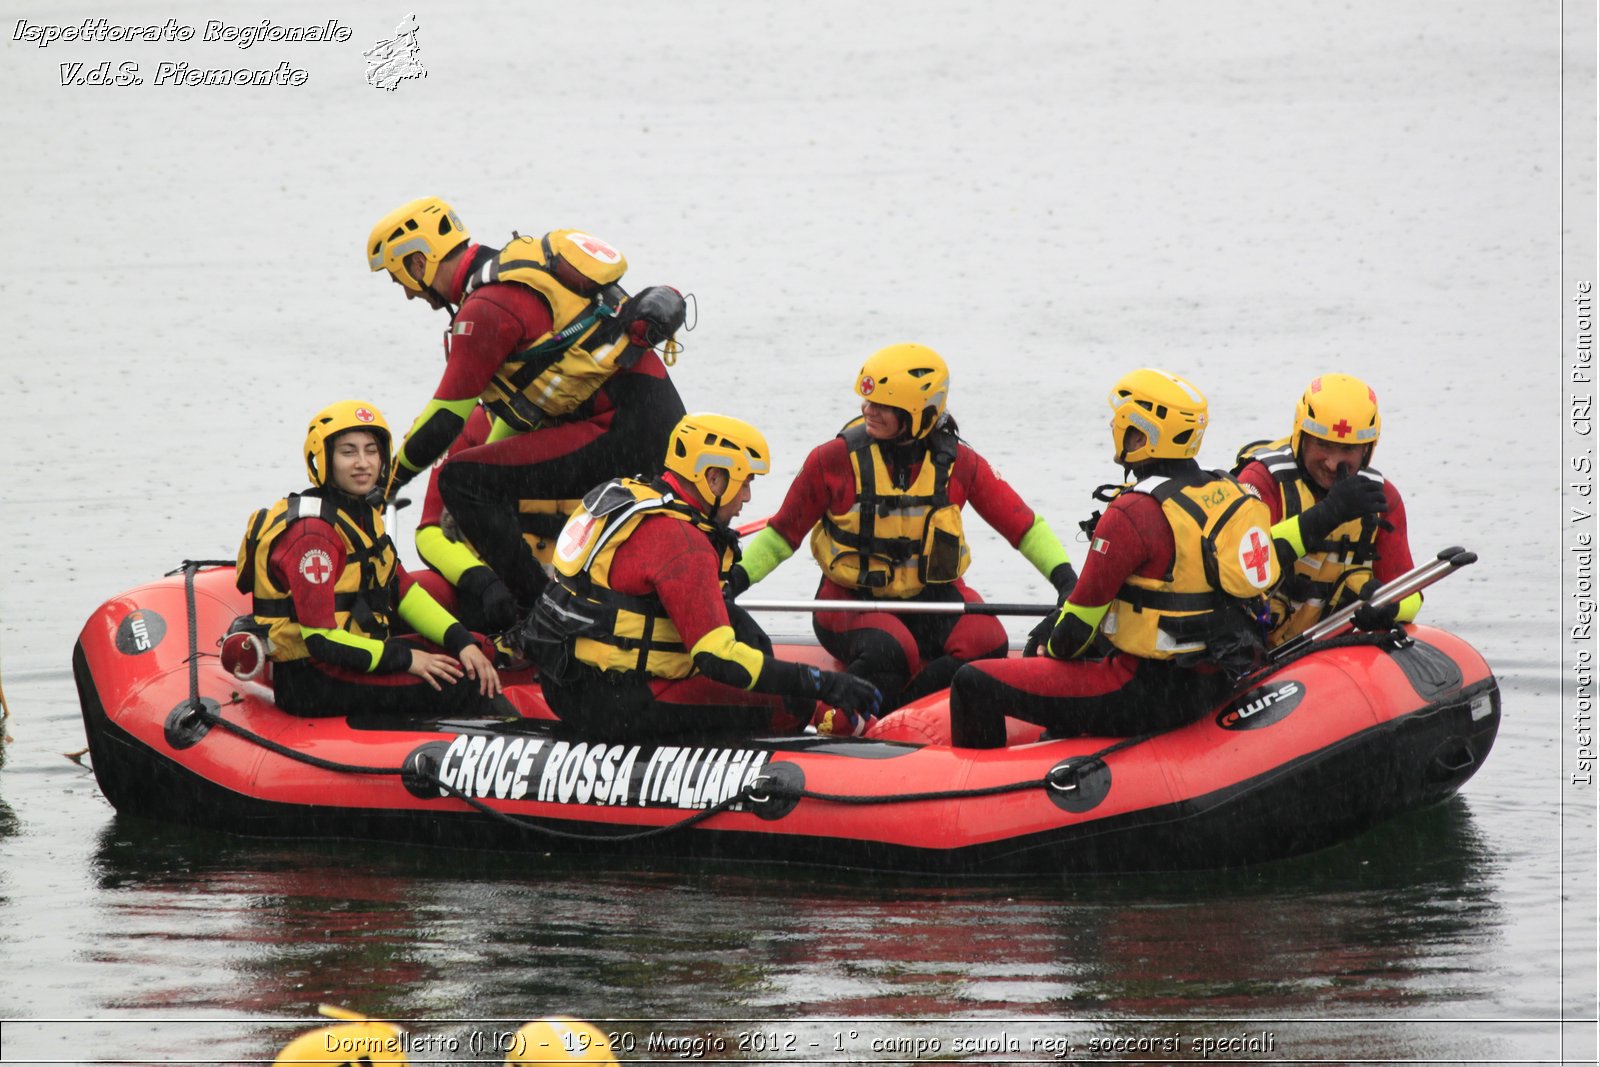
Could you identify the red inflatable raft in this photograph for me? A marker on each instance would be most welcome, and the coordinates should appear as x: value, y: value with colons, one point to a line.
x: 1309, y: 755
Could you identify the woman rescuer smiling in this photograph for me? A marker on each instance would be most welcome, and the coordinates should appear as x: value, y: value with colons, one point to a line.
x: 328, y: 592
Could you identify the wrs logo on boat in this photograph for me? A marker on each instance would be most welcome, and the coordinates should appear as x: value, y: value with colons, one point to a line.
x: 140, y: 631
x: 1262, y: 706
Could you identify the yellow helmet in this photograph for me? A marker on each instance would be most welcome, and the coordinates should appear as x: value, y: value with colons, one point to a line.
x: 1340, y: 409
x: 910, y: 377
x: 358, y: 1040
x: 1169, y: 411
x: 703, y: 441
x: 429, y: 226
x: 334, y: 420
x: 559, y: 1039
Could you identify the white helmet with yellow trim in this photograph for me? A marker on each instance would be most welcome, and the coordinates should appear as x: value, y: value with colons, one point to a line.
x: 429, y: 226
x: 1168, y: 410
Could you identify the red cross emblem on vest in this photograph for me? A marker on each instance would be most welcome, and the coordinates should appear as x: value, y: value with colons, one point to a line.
x: 1255, y: 553
x: 1342, y: 428
x: 316, y: 566
x: 594, y: 246
x: 574, y: 536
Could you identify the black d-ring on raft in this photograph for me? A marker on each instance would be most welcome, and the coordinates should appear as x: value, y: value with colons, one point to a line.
x: 774, y: 803
x: 190, y: 721
x: 1079, y: 783
x: 420, y: 772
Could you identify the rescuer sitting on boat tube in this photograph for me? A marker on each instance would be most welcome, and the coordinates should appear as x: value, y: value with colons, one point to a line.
x: 1339, y: 525
x: 882, y: 502
x: 327, y: 587
x: 633, y: 637
x: 1168, y: 609
x: 561, y: 355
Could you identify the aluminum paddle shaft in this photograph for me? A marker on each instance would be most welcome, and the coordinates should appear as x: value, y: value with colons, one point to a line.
x: 1418, y: 578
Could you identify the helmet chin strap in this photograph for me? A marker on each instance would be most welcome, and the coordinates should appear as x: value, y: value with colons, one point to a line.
x: 427, y: 287
x: 716, y: 501
x: 453, y: 308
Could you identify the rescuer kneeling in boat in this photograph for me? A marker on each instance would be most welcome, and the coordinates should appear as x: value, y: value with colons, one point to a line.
x: 1339, y: 525
x: 882, y: 502
x: 1169, y: 606
x: 633, y: 636
x: 327, y: 587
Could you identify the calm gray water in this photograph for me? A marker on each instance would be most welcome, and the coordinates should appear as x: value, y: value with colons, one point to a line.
x: 1248, y: 195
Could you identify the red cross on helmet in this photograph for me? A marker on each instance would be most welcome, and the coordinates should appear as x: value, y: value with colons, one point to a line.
x: 1339, y: 409
x: 334, y: 420
x: 911, y: 378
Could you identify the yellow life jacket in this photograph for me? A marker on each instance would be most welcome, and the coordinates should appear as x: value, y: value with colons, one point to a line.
x: 363, y: 594
x: 597, y: 625
x: 1341, y: 561
x: 894, y: 540
x: 556, y: 373
x: 1222, y: 566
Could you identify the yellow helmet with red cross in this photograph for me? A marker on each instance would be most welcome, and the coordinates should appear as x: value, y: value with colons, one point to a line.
x: 1339, y: 409
x: 339, y: 418
x: 911, y: 378
x: 429, y: 226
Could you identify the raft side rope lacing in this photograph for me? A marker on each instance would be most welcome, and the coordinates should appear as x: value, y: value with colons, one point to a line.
x: 759, y: 791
